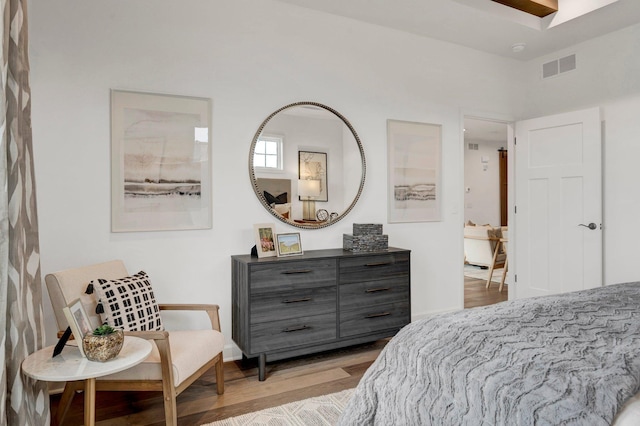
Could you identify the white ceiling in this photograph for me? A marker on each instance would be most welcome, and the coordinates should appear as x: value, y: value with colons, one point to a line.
x: 485, y: 25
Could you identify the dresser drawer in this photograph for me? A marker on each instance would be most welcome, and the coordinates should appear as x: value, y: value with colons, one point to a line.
x: 374, y: 292
x: 289, y: 333
x: 369, y: 319
x: 276, y: 276
x: 293, y: 304
x: 362, y: 268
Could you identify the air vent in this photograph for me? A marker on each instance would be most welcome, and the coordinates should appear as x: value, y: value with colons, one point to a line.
x: 473, y: 147
x: 559, y: 66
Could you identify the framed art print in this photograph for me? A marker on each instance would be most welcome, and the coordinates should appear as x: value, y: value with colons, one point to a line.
x: 288, y: 244
x: 413, y: 171
x: 78, y: 321
x: 313, y: 166
x: 160, y: 162
x: 265, y: 234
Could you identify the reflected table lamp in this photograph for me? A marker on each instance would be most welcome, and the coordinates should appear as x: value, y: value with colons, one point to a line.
x: 308, y: 190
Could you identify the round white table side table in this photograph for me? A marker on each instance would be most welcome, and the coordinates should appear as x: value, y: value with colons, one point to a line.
x: 70, y: 366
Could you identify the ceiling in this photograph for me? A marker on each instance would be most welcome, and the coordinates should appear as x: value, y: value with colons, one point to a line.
x: 478, y: 130
x: 489, y: 26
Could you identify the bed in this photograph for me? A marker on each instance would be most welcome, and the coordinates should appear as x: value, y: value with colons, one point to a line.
x: 571, y: 359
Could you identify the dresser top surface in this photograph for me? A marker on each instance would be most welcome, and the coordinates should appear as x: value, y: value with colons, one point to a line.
x: 316, y: 254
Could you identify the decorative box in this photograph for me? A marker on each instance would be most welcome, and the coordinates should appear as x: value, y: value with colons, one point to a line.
x: 367, y: 229
x: 367, y: 237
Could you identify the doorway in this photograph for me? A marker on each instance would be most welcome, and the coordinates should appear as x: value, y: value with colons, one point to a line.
x: 485, y: 210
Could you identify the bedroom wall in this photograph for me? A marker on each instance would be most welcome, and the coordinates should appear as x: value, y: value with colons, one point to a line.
x: 250, y: 57
x: 608, y: 76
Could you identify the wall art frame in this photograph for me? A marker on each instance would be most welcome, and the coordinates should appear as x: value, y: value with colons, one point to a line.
x: 289, y: 244
x: 78, y: 322
x: 160, y: 162
x: 265, y: 234
x: 414, y: 171
x: 313, y: 165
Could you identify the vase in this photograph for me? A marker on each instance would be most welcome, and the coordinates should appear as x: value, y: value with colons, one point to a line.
x: 102, y: 347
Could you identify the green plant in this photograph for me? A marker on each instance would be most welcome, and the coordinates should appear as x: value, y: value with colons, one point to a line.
x: 103, y: 330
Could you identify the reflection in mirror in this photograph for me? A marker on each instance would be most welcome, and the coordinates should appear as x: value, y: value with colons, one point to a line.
x: 307, y: 165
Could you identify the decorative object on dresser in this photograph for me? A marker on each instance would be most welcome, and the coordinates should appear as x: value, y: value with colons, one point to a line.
x: 367, y: 237
x: 321, y: 300
x: 288, y: 244
x: 265, y: 234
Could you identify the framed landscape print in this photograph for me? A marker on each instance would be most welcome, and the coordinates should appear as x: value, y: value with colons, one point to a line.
x: 160, y: 162
x: 288, y: 244
x: 414, y: 155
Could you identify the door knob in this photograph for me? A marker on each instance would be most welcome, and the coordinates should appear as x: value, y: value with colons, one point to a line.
x: 591, y: 226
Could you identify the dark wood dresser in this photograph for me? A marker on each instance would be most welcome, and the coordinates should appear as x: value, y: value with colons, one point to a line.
x: 325, y: 299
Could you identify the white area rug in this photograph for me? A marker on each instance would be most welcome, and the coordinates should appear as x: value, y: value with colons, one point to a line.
x: 317, y: 411
x: 482, y: 274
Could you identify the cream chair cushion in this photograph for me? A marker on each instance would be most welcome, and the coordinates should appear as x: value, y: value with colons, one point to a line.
x: 190, y: 349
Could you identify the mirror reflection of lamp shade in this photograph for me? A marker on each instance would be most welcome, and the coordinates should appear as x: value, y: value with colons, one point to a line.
x: 309, y: 188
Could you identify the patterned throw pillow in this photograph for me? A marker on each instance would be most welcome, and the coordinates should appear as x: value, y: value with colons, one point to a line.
x: 128, y: 303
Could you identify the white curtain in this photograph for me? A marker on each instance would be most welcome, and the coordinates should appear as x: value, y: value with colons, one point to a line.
x: 24, y: 401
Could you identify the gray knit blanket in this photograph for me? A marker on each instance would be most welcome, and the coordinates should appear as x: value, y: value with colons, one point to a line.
x: 570, y: 359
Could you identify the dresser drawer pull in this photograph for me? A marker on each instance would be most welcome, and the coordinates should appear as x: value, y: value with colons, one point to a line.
x: 381, y: 314
x: 298, y: 271
x: 304, y: 299
x: 378, y: 264
x: 375, y: 290
x: 299, y: 328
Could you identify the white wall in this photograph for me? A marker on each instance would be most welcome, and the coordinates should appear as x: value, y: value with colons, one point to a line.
x: 251, y: 57
x: 482, y: 182
x: 608, y: 76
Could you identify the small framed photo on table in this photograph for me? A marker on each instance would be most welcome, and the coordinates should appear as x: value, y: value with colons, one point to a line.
x: 288, y: 244
x: 78, y: 322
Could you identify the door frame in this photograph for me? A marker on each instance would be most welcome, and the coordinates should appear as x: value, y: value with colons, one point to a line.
x: 509, y: 121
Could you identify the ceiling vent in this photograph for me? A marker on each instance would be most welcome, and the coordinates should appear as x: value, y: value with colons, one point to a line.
x: 473, y: 147
x: 559, y: 66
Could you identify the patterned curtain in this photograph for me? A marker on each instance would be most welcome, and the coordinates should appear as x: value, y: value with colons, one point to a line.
x: 24, y: 401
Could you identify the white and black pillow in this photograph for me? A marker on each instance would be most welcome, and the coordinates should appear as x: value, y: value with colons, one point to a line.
x: 127, y: 303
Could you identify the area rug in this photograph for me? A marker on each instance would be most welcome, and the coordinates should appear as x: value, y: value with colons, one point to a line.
x: 482, y: 274
x: 317, y: 411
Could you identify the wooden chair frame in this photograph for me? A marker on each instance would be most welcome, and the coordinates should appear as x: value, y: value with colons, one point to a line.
x: 166, y: 385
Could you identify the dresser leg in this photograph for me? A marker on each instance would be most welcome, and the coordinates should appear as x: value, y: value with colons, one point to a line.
x: 262, y: 365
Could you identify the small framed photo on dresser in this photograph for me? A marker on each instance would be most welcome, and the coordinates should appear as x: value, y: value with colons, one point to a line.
x: 288, y: 244
x: 265, y: 234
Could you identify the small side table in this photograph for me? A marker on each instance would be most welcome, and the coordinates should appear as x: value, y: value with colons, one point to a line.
x: 70, y: 366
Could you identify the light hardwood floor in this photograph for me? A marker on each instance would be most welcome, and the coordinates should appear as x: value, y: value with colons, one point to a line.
x: 287, y: 381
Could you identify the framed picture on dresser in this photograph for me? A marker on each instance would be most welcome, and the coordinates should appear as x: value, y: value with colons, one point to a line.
x: 265, y: 234
x: 288, y: 244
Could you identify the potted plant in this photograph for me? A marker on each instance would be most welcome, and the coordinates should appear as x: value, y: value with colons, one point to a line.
x: 103, y: 344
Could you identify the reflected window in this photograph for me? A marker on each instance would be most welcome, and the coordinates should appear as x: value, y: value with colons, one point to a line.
x: 268, y: 153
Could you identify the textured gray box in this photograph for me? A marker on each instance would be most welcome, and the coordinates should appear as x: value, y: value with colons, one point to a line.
x: 367, y: 229
x: 365, y: 243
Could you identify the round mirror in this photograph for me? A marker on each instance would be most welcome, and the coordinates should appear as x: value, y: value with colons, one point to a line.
x: 307, y: 166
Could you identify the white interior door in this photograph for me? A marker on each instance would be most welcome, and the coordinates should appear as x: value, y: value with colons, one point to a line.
x: 558, y: 194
